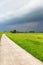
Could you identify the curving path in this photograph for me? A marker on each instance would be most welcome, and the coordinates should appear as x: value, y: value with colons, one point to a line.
x: 12, y: 54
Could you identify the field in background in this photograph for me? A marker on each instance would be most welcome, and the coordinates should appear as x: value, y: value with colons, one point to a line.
x: 1, y: 34
x: 32, y: 43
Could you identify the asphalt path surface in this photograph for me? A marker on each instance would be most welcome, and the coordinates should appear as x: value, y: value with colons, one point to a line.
x: 12, y: 54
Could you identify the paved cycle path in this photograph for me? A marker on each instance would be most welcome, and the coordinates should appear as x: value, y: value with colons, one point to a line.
x: 12, y: 54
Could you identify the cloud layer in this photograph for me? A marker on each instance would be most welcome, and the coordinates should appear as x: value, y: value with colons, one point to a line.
x: 27, y: 15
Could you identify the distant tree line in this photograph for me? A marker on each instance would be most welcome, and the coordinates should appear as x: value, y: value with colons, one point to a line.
x: 14, y: 31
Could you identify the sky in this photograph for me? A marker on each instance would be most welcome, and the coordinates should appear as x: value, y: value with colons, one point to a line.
x: 22, y: 15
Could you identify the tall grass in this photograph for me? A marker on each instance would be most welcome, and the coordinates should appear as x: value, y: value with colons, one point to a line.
x: 1, y: 34
x: 32, y: 43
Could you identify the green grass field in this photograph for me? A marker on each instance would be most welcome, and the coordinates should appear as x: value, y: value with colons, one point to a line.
x: 31, y: 42
x: 1, y: 34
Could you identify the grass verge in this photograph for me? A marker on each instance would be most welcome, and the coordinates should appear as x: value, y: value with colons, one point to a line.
x: 32, y: 43
x: 1, y: 34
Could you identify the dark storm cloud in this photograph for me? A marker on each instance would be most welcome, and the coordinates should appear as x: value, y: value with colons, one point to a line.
x: 19, y: 23
x: 32, y: 26
x: 36, y: 15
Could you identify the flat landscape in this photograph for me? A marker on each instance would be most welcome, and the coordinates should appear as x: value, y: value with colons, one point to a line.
x: 31, y: 42
x: 1, y: 34
x: 13, y: 54
x: 21, y: 32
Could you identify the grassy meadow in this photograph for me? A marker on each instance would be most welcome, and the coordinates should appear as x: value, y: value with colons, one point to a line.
x: 31, y: 42
x: 1, y: 34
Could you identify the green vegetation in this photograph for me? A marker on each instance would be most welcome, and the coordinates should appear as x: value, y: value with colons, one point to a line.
x: 1, y: 34
x: 31, y: 42
x: 13, y: 31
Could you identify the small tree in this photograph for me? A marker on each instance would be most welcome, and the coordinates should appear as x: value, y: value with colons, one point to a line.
x: 13, y: 31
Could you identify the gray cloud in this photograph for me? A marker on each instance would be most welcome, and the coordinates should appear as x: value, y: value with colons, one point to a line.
x: 36, y: 15
x: 27, y: 22
x: 34, y: 26
x: 25, y: 19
